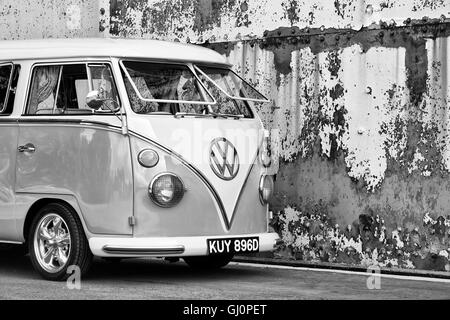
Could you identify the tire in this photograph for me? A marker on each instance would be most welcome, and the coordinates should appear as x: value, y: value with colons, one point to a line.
x: 208, y: 262
x: 53, y: 253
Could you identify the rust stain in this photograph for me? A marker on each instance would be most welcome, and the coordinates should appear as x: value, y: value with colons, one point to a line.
x: 290, y: 8
x: 49, y: 19
x: 160, y: 17
x: 378, y: 229
x: 330, y: 208
x: 364, y: 165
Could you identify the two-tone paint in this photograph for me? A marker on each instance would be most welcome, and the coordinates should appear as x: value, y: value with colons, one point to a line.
x: 90, y: 162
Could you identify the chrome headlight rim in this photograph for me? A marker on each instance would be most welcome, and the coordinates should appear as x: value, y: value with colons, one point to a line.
x: 152, y: 195
x: 261, y: 188
x: 140, y: 156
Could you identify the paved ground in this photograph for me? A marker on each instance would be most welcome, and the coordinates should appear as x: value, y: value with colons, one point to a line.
x: 155, y: 279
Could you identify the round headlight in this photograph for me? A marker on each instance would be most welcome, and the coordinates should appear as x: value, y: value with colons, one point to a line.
x: 265, y: 188
x: 148, y: 158
x: 166, y: 190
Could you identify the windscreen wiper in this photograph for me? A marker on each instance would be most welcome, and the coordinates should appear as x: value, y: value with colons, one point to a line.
x: 224, y: 115
x: 209, y: 114
x: 189, y: 114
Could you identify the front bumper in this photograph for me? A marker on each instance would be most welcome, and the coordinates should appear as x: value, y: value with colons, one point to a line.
x: 168, y: 246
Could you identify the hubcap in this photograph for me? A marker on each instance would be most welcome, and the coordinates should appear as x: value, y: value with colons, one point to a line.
x: 52, y: 243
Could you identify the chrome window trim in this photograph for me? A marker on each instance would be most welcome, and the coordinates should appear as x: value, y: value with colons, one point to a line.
x: 67, y: 122
x: 89, y: 74
x: 112, y: 73
x: 197, y: 68
x: 57, y: 88
x: 124, y: 69
x: 5, y: 104
x: 82, y: 60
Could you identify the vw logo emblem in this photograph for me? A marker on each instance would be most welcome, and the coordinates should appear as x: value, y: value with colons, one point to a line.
x: 223, y: 159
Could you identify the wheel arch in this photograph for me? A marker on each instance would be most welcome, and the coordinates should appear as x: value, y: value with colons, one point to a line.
x: 41, y: 203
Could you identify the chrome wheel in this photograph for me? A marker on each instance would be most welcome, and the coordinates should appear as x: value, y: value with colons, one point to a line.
x: 52, y: 243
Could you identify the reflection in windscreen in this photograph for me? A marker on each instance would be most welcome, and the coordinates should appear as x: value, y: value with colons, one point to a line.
x: 232, y: 84
x: 225, y: 105
x: 155, y: 81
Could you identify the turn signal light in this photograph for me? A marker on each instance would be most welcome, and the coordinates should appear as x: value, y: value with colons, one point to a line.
x: 148, y: 158
x: 266, y: 186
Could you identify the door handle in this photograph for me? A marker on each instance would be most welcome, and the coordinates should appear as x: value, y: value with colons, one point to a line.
x: 29, y: 147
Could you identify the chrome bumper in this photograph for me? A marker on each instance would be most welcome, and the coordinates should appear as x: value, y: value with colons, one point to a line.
x: 168, y: 246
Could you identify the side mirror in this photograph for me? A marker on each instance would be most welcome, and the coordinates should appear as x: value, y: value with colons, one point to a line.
x: 93, y: 100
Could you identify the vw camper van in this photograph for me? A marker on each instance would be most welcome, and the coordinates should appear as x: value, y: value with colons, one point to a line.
x: 129, y: 148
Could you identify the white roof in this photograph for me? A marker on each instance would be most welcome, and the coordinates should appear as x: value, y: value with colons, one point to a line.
x: 103, y: 47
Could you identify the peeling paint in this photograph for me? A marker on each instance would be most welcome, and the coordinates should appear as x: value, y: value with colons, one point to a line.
x: 227, y: 20
x: 315, y: 237
x: 363, y: 133
x: 394, y: 87
x: 50, y: 19
x: 359, y: 113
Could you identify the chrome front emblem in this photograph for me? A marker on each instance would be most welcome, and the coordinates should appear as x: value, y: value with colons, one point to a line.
x: 223, y: 159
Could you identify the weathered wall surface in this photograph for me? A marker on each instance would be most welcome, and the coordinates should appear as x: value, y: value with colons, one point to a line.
x: 360, y: 116
x: 228, y: 20
x: 35, y: 19
x: 360, y: 112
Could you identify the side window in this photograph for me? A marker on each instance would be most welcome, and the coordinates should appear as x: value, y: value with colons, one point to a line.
x: 62, y: 89
x: 5, y: 81
x: 73, y: 88
x: 43, y: 90
x: 103, y: 81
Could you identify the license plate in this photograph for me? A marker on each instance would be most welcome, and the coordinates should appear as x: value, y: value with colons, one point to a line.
x: 233, y: 245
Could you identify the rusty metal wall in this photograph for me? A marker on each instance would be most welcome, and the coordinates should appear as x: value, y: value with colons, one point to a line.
x: 35, y: 19
x: 359, y: 116
x: 359, y: 119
